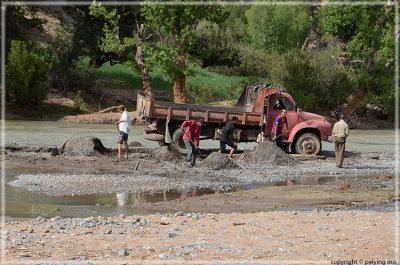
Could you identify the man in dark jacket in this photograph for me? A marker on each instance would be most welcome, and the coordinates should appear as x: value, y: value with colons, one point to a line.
x: 226, y: 137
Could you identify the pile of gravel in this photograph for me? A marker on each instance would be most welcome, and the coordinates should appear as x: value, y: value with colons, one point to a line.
x: 218, y: 161
x: 135, y: 144
x: 267, y: 154
x: 84, y: 146
x: 165, y: 154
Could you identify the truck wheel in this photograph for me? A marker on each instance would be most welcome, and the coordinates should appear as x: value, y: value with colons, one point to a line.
x: 154, y: 137
x: 308, y: 144
x: 177, y: 142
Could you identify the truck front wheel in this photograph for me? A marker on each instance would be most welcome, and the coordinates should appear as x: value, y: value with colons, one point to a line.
x: 177, y: 142
x: 308, y: 144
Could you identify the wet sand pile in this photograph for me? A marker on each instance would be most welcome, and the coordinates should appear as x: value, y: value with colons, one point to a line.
x: 165, y: 154
x: 85, y: 146
x: 267, y: 154
x: 218, y: 161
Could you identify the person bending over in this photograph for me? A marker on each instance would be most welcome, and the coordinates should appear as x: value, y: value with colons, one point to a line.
x: 226, y: 137
x: 191, y: 138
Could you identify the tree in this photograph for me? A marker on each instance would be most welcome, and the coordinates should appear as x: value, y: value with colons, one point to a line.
x: 174, y: 26
x: 367, y: 36
x: 278, y: 28
x: 27, y: 76
x: 112, y: 42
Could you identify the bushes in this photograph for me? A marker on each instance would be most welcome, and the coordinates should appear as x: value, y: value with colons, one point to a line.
x: 27, y: 75
x: 316, y: 80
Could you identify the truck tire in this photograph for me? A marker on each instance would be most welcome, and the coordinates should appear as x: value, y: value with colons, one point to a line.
x: 177, y: 142
x: 308, y: 144
x: 154, y: 137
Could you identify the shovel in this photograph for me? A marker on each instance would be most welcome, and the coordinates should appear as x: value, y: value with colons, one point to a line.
x: 58, y: 150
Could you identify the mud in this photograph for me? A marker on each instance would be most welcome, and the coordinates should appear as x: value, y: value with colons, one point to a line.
x: 266, y: 154
x: 84, y: 146
x: 218, y: 161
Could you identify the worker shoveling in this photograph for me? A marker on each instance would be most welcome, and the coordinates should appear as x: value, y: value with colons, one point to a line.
x: 266, y: 154
x: 85, y: 146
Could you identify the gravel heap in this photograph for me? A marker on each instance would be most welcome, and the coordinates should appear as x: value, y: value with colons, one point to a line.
x: 85, y: 146
x: 218, y: 161
x: 165, y: 154
x: 135, y: 144
x: 267, y: 154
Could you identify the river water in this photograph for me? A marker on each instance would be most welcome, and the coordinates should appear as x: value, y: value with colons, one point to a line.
x: 55, y: 133
x: 20, y: 203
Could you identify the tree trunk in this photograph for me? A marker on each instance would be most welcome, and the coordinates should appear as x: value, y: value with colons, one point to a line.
x: 139, y: 57
x: 180, y: 89
x: 180, y: 79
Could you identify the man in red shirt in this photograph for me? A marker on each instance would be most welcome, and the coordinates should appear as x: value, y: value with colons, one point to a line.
x: 276, y: 132
x: 191, y: 138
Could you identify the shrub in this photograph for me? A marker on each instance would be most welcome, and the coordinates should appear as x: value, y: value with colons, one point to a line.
x: 27, y: 75
x: 78, y: 101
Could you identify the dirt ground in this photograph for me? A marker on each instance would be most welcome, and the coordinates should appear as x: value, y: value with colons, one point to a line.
x: 292, y: 237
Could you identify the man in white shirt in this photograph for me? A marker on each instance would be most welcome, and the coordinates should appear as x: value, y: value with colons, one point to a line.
x: 124, y: 128
x: 340, y: 133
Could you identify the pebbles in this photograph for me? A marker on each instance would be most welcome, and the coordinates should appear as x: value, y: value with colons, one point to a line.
x: 218, y: 161
x: 250, y: 238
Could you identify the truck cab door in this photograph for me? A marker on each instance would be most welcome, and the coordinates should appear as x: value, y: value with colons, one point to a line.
x: 276, y: 105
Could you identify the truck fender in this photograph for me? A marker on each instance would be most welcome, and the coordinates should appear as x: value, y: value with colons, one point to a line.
x: 304, y: 127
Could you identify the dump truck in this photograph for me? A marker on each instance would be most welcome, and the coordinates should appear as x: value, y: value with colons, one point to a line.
x: 256, y: 109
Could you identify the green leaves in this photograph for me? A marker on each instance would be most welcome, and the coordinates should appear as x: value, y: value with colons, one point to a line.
x: 278, y: 28
x: 27, y: 75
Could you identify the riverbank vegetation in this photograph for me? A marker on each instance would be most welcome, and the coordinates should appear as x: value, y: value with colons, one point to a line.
x: 330, y: 58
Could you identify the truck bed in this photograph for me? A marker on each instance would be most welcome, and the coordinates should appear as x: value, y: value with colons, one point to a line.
x: 149, y: 108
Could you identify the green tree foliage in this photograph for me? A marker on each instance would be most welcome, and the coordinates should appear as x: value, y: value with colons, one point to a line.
x: 278, y: 28
x: 129, y: 49
x: 315, y: 80
x: 367, y: 35
x: 27, y: 75
x: 175, y: 26
x: 214, y: 45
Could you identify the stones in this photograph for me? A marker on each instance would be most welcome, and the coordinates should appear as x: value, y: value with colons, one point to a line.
x: 123, y: 252
x: 218, y: 161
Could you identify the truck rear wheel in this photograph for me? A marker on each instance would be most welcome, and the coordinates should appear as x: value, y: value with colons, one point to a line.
x: 308, y: 144
x: 177, y: 142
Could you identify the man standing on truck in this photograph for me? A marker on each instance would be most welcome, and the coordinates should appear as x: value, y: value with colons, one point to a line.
x: 340, y: 133
x: 226, y: 137
x: 276, y: 132
x: 124, y: 128
x: 191, y: 138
